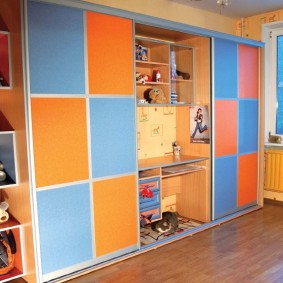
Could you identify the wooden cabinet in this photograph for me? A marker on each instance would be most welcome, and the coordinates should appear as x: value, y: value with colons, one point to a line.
x: 152, y: 68
x: 8, y: 159
x: 182, y: 177
x: 149, y: 198
x: 183, y: 180
x: 108, y: 141
x: 164, y: 65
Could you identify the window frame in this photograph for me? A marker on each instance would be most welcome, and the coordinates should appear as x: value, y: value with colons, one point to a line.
x: 269, y: 36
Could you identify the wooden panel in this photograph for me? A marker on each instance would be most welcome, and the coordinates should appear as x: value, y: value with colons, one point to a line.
x: 171, y: 186
x: 248, y: 71
x: 59, y: 140
x: 226, y: 113
x: 110, y: 54
x: 192, y: 201
x: 202, y: 65
x: 56, y: 49
x: 156, y: 131
x: 183, y: 134
x: 247, y: 188
x: 64, y: 217
x: 115, y: 214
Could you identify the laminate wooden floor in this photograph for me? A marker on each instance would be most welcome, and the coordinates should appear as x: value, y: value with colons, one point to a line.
x: 246, y: 249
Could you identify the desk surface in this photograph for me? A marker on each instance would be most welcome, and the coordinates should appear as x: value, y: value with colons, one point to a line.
x: 164, y: 161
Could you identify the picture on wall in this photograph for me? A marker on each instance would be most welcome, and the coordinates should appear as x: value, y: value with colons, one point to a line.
x: 199, y: 124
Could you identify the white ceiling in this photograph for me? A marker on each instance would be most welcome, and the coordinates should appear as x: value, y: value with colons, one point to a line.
x: 237, y: 8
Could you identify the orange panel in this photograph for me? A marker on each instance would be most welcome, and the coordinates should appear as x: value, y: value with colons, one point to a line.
x: 225, y: 127
x: 110, y: 54
x: 115, y: 214
x: 247, y: 186
x: 59, y: 140
x: 248, y: 71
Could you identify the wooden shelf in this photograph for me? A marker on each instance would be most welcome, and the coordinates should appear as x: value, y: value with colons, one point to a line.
x: 180, y: 170
x: 8, y: 182
x: 11, y: 223
x: 152, y: 83
x: 13, y: 274
x: 181, y: 81
x: 150, y: 64
x: 150, y: 173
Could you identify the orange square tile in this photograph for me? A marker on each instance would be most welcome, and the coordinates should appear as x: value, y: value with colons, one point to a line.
x: 59, y: 140
x: 226, y: 127
x: 110, y: 54
x: 115, y: 214
x: 247, y: 178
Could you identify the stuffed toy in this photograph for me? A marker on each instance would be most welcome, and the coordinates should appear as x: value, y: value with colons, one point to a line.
x: 141, y: 78
x: 4, y: 215
x: 156, y: 95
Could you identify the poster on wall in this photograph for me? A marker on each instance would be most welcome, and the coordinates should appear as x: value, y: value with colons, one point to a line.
x: 199, y: 124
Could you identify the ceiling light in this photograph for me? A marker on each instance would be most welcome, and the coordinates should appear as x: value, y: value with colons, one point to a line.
x: 222, y: 4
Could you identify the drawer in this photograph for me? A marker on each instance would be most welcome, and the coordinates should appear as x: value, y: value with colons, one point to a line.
x: 147, y: 202
x: 152, y: 183
x: 154, y: 210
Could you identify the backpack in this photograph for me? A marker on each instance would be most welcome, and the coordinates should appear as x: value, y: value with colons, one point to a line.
x: 7, y: 251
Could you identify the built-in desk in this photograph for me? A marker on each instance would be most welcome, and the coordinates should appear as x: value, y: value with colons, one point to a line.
x: 183, y: 182
x: 170, y: 160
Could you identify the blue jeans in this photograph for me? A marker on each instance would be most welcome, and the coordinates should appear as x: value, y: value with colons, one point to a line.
x: 199, y: 128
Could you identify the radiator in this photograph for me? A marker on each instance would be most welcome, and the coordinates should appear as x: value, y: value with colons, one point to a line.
x: 273, y: 180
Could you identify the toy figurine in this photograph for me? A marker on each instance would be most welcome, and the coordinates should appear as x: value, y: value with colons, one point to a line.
x: 158, y: 76
x: 3, y: 175
x: 147, y: 192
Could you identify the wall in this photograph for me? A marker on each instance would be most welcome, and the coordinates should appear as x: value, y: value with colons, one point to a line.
x: 170, y: 10
x: 253, y: 25
x: 13, y: 107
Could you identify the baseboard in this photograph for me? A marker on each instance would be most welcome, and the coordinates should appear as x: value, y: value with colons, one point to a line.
x: 272, y: 201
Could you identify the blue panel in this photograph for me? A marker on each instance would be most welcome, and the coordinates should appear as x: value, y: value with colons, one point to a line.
x: 56, y: 49
x: 225, y: 186
x: 113, y: 147
x: 248, y: 126
x: 64, y: 226
x: 225, y: 69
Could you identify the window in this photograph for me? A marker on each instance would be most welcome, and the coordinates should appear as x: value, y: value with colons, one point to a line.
x: 273, y: 38
x: 279, y: 83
